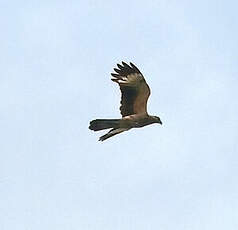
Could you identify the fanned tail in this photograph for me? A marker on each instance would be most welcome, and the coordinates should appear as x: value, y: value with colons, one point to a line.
x: 100, y: 124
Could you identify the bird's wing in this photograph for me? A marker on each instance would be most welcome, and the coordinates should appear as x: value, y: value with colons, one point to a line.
x: 134, y: 89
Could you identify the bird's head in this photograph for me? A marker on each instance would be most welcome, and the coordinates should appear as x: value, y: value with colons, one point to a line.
x: 157, y: 120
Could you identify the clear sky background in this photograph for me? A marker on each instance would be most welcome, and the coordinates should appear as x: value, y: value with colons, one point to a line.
x: 56, y: 58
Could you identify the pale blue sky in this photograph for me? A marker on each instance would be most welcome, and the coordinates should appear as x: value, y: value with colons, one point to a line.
x: 56, y: 58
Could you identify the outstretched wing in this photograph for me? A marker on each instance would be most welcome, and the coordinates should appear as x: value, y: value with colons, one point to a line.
x: 134, y: 89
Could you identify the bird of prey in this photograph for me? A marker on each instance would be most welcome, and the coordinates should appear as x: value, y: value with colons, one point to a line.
x: 134, y: 95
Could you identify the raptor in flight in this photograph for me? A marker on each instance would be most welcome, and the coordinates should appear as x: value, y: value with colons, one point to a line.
x: 135, y: 93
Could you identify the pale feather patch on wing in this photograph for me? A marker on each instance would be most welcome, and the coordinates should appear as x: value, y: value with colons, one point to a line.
x: 132, y: 80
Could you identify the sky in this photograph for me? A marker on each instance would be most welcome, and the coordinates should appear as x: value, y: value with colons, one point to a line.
x: 56, y: 59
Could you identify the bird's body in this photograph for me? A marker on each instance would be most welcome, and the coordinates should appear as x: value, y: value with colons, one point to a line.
x: 135, y: 93
x: 137, y: 120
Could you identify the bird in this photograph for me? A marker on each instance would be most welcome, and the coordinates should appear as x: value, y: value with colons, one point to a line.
x: 134, y: 96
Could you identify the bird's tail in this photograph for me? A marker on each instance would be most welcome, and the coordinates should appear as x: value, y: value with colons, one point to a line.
x: 100, y: 124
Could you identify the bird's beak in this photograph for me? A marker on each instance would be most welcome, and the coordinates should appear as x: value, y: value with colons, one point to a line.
x: 160, y: 122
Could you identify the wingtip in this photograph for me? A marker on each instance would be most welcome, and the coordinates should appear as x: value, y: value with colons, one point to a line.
x: 117, y: 70
x: 119, y: 66
x: 102, y: 138
x: 115, y: 75
x: 134, y: 67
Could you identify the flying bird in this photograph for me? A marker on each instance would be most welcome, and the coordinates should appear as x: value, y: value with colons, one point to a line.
x: 134, y: 95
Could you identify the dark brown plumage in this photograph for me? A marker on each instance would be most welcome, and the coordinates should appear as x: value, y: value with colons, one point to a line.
x: 135, y: 93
